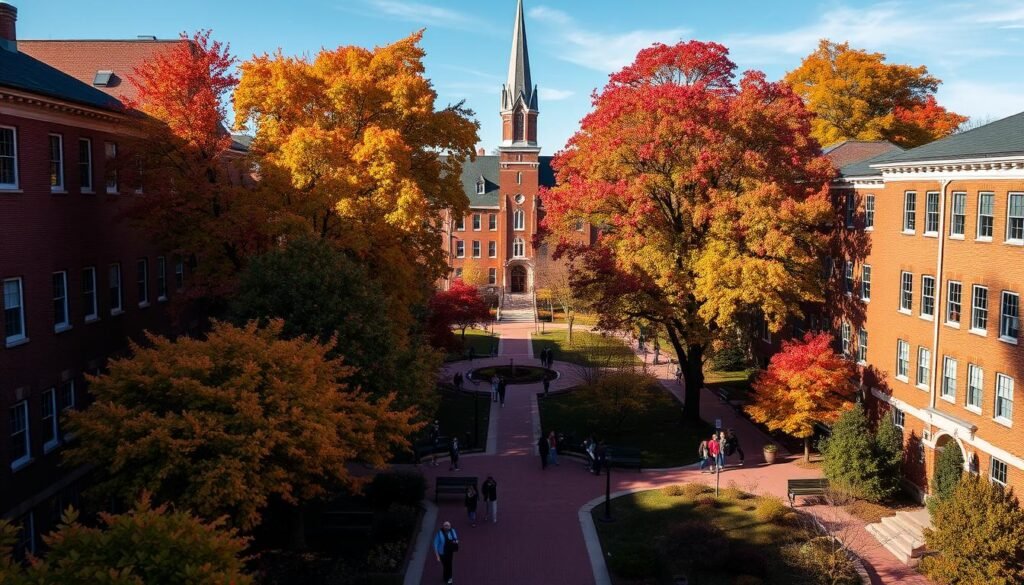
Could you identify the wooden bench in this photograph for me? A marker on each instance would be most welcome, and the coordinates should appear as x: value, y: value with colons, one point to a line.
x: 453, y: 485
x: 625, y: 457
x: 805, y: 487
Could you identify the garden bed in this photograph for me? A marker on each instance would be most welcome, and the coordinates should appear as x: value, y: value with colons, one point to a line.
x: 513, y: 375
x: 587, y: 349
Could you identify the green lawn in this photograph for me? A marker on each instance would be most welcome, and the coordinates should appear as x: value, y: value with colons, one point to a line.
x: 455, y: 414
x: 736, y: 383
x: 660, y: 535
x: 587, y: 349
x: 658, y: 430
x: 482, y: 342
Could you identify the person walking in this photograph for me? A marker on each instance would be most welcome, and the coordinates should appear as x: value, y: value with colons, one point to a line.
x: 453, y: 454
x: 457, y: 380
x: 547, y: 385
x: 501, y: 391
x: 713, y: 451
x: 552, y: 448
x: 679, y: 374
x: 446, y: 544
x: 472, y: 499
x: 732, y: 445
x: 705, y: 456
x: 543, y: 447
x: 490, y: 491
x: 494, y: 387
x: 589, y: 447
x: 551, y: 357
x: 721, y: 450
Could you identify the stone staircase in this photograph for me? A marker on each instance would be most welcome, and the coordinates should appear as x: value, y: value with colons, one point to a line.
x: 903, y: 534
x: 517, y: 308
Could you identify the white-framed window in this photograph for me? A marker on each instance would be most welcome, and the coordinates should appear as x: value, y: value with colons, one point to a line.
x: 844, y: 339
x: 476, y: 248
x: 975, y: 386
x: 909, y: 211
x: 979, y: 308
x: 67, y: 395
x: 161, y: 278
x: 1015, y: 218
x: 851, y: 209
x: 8, y: 158
x: 458, y: 273
x: 518, y: 248
x: 927, y: 296
x: 114, y: 288
x: 460, y: 249
x: 56, y: 162
x: 110, y: 150
x: 492, y: 249
x: 1009, y: 317
x: 954, y: 291
x: 898, y: 418
x: 997, y: 472
x: 85, y: 165
x: 958, y: 215
x: 986, y: 215
x: 476, y: 222
x: 492, y: 276
x: 142, y: 281
x: 179, y: 273
x: 50, y: 431
x: 949, y: 366
x: 869, y: 212
x: 481, y: 186
x: 906, y: 291
x: 848, y: 278
x: 61, y: 313
x: 14, y: 312
x: 1004, y: 398
x: 862, y: 346
x: 92, y: 310
x: 460, y: 224
x: 931, y: 218
x: 924, y: 366
x: 902, y: 359
x: 865, y: 283
x: 492, y: 222
x: 518, y: 220
x: 20, y: 443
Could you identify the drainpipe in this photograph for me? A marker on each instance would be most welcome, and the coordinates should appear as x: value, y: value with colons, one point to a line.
x: 939, y: 288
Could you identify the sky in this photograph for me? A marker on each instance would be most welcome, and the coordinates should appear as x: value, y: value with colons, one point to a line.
x: 975, y: 47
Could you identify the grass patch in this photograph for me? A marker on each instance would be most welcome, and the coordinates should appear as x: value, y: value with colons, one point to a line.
x: 455, y: 415
x: 516, y: 375
x: 587, y: 349
x: 481, y: 341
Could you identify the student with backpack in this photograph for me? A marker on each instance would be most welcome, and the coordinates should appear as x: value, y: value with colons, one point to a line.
x: 446, y: 544
x: 705, y: 456
x: 732, y: 445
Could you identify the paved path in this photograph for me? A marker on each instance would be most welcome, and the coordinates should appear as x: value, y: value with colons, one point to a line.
x: 539, y: 539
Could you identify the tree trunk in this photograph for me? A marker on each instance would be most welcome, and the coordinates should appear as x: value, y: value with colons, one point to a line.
x: 693, y: 377
x: 807, y: 449
x: 463, y: 335
x: 297, y: 539
x: 570, y: 318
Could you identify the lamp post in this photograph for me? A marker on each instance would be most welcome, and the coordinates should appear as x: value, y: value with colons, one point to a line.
x: 476, y: 420
x: 607, y: 487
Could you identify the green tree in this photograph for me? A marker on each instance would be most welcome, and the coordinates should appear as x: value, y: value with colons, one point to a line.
x: 850, y: 463
x: 889, y: 451
x: 949, y: 469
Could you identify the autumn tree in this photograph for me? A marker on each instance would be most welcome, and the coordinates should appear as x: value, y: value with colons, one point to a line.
x: 555, y: 278
x: 227, y: 424
x: 805, y: 383
x: 461, y: 306
x: 857, y: 95
x: 708, y: 194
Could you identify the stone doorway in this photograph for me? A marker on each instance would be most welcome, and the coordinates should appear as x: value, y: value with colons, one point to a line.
x: 518, y: 277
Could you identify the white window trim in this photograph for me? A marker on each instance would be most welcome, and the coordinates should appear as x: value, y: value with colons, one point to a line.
x: 865, y: 267
x: 108, y: 173
x: 518, y: 220
x: 945, y: 316
x: 952, y: 214
x: 938, y: 211
x: 90, y: 188
x: 478, y: 222
x: 995, y: 404
x: 927, y: 380
x: 14, y: 138
x: 62, y: 181
x: 53, y: 443
x: 967, y: 390
x: 477, y: 249
x: 923, y: 315
x: 143, y: 303
x: 942, y: 390
x: 977, y: 220
x: 908, y: 310
x: 1006, y: 338
x: 906, y: 211
x: 161, y: 266
x: 902, y: 377
x: 460, y: 252
x: 1008, y: 239
x: 493, y: 216
x: 95, y: 314
x: 25, y: 459
x: 22, y: 337
x: 66, y: 324
x: 120, y: 289
x: 974, y: 308
x: 991, y: 471
x: 869, y: 227
x: 492, y: 249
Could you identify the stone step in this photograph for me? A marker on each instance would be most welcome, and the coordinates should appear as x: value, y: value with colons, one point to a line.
x: 885, y: 540
x: 902, y: 535
x: 919, y: 519
x: 909, y: 535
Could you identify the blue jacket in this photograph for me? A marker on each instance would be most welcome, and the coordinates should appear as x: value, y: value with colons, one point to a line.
x: 439, y: 540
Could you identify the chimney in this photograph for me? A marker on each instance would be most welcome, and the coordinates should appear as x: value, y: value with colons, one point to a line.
x: 480, y: 151
x: 8, y: 36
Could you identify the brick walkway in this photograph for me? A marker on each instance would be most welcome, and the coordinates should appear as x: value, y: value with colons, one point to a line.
x: 538, y: 538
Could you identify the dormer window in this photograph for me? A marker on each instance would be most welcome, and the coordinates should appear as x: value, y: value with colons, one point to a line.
x: 481, y: 186
x: 103, y: 78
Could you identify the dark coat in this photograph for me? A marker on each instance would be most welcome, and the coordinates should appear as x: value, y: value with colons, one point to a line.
x: 490, y: 490
x: 542, y: 444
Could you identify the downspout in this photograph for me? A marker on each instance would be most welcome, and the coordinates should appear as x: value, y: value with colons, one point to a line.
x: 939, y: 288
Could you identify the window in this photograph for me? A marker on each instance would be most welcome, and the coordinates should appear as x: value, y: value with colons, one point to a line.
x: 492, y: 276
x: 518, y: 248
x: 1015, y: 218
x: 476, y: 248
x: 953, y: 302
x: 959, y: 215
x: 986, y: 215
x: 997, y: 472
x: 844, y: 339
x: 869, y: 212
x: 851, y: 209
x: 975, y: 383
x: 766, y: 331
x: 492, y: 222
x: 85, y: 164
x: 460, y: 249
x: 519, y: 178
x: 142, y: 281
x: 114, y: 282
x: 848, y: 278
x: 492, y: 249
x: 8, y: 158
x: 56, y: 162
x: 1009, y: 321
x: 161, y: 278
x: 898, y: 418
x: 931, y: 218
x: 49, y: 419
x: 67, y: 395
x: 949, y: 378
x: 460, y: 225
x: 909, y: 211
x: 481, y: 186
x: 14, y: 311
x: 518, y: 220
x: 458, y: 273
x: 906, y: 291
x: 476, y: 222
x: 110, y: 148
x: 862, y: 346
x: 92, y: 311
x: 902, y: 359
x: 865, y: 283
x: 61, y: 318
x: 924, y: 366
x: 179, y: 273
x: 928, y: 296
x: 578, y: 225
x: 1004, y: 397
x: 20, y: 445
x: 979, y: 308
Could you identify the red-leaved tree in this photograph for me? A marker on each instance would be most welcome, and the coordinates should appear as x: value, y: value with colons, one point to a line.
x: 461, y: 306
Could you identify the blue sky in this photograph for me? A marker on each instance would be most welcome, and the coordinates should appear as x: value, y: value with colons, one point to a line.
x: 975, y: 47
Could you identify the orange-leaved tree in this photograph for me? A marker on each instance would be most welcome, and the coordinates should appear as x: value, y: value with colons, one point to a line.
x: 805, y: 383
x: 708, y: 193
x: 857, y: 95
x: 227, y: 424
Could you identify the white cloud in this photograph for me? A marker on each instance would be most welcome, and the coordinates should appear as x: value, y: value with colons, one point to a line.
x: 1007, y: 15
x: 982, y: 99
x: 550, y: 94
x: 423, y: 14
x: 605, y: 52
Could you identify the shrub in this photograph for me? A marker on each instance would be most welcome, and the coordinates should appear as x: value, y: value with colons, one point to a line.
x: 675, y: 490
x: 397, y: 487
x: 770, y: 509
x: 387, y: 557
x: 706, y: 501
x: 394, y: 524
x: 949, y: 468
x: 889, y: 452
x: 695, y: 490
x: 733, y: 494
x: 697, y: 542
x: 618, y: 397
x: 635, y: 561
x: 850, y: 460
x: 978, y: 535
x: 826, y: 561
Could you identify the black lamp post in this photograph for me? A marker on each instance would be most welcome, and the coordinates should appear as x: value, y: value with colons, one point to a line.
x: 607, y: 488
x: 476, y: 421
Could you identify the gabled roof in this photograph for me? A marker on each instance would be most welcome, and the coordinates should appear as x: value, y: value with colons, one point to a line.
x: 848, y: 152
x: 23, y: 72
x: 488, y: 167
x: 863, y: 168
x: 1000, y: 138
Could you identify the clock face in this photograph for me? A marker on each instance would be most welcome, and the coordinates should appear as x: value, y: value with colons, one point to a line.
x: 520, y: 198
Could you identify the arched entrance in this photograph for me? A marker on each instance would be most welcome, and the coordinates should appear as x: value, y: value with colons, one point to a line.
x: 945, y: 441
x: 518, y: 277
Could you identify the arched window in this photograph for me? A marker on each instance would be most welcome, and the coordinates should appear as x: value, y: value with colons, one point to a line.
x: 519, y: 178
x: 518, y: 248
x: 518, y: 220
x: 517, y: 127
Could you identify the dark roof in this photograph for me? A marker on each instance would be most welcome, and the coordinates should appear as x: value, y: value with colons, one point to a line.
x: 1000, y: 138
x: 487, y: 166
x: 863, y: 168
x: 241, y: 142
x: 19, y: 71
x: 848, y: 152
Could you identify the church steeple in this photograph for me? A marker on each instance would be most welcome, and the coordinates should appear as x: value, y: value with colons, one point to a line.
x: 519, y: 95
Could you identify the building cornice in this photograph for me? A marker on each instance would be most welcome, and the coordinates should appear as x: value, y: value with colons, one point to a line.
x: 998, y: 167
x: 13, y: 96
